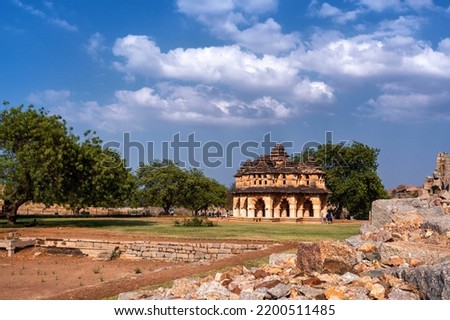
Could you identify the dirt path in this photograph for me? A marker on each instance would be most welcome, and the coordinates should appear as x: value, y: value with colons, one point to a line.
x: 34, y: 274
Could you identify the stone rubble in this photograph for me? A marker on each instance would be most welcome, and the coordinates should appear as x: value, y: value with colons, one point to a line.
x: 402, y: 254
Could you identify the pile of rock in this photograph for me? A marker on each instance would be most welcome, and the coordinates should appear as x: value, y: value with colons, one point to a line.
x: 402, y: 254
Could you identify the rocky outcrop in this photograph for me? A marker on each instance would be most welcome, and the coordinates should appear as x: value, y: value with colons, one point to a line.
x: 281, y: 279
x: 402, y: 254
x: 383, y: 211
x: 432, y: 281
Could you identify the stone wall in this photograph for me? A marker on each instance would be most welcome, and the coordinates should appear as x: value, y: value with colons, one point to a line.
x: 164, y: 251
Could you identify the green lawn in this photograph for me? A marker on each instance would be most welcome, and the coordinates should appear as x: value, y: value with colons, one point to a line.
x: 223, y: 230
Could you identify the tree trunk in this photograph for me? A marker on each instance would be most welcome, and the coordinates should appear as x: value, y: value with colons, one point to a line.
x: 9, y: 210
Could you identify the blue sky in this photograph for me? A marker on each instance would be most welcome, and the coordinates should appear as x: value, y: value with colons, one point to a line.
x: 232, y: 71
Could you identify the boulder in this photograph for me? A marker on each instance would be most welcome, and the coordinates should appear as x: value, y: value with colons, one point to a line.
x: 182, y: 288
x: 326, y: 257
x: 426, y: 253
x: 432, y: 281
x: 438, y: 224
x: 382, y: 210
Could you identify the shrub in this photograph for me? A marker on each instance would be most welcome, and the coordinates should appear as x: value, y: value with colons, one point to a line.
x: 194, y: 222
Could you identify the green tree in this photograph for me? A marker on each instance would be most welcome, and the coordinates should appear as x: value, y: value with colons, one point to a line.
x: 351, y: 176
x: 203, y: 192
x: 161, y: 184
x: 34, y: 150
x: 102, y: 179
x: 44, y: 162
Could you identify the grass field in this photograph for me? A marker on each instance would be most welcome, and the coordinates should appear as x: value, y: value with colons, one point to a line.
x: 223, y: 231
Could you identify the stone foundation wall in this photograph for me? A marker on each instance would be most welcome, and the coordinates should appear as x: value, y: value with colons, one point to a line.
x: 164, y: 251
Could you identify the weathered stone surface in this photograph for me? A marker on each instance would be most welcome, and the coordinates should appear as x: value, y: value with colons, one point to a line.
x: 432, y: 281
x: 349, y: 277
x: 335, y: 293
x: 282, y: 260
x: 279, y: 291
x: 183, y: 288
x: 252, y: 295
x: 268, y: 284
x: 377, y: 291
x: 382, y: 210
x: 326, y: 257
x: 213, y: 291
x: 136, y: 295
x: 313, y: 281
x: 357, y: 293
x: 312, y: 293
x: 399, y: 294
x: 438, y: 224
x: 428, y: 254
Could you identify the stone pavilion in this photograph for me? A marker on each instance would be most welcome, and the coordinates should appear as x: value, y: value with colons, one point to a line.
x: 274, y: 187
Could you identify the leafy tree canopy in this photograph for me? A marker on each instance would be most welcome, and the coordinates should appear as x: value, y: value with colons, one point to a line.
x: 164, y: 184
x: 351, y: 175
x: 43, y: 161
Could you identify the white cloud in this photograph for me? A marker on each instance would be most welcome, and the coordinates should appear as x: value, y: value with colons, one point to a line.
x: 381, y: 54
x: 200, y: 104
x: 95, y: 46
x: 403, y: 25
x: 237, y: 21
x: 379, y: 6
x: 256, y: 37
x: 419, y: 4
x: 326, y: 10
x: 313, y: 92
x: 229, y: 65
x: 52, y: 19
x: 398, y: 5
x: 444, y: 46
x: 416, y: 107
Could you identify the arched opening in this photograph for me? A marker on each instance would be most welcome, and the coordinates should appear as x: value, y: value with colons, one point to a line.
x: 260, y: 208
x: 284, y: 207
x: 308, y: 210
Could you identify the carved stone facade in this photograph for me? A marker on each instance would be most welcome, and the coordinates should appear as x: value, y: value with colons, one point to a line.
x: 274, y: 187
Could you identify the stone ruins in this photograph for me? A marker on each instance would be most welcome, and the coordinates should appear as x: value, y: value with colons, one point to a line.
x: 274, y: 187
x: 403, y: 253
x: 438, y: 184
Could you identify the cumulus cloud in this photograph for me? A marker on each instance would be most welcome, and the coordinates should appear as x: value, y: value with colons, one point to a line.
x: 415, y: 107
x: 238, y: 21
x: 173, y: 103
x: 375, y: 55
x: 327, y: 10
x: 228, y: 65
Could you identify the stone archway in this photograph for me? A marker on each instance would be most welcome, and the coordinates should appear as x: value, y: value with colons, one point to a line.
x: 284, y: 207
x: 308, y: 210
x: 260, y: 208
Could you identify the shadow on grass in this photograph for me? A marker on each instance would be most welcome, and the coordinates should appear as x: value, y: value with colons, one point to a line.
x: 81, y: 222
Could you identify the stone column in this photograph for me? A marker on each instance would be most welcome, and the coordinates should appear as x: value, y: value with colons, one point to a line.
x: 236, y: 206
x: 251, y: 212
x: 292, y: 207
x: 316, y: 207
x: 268, y: 201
